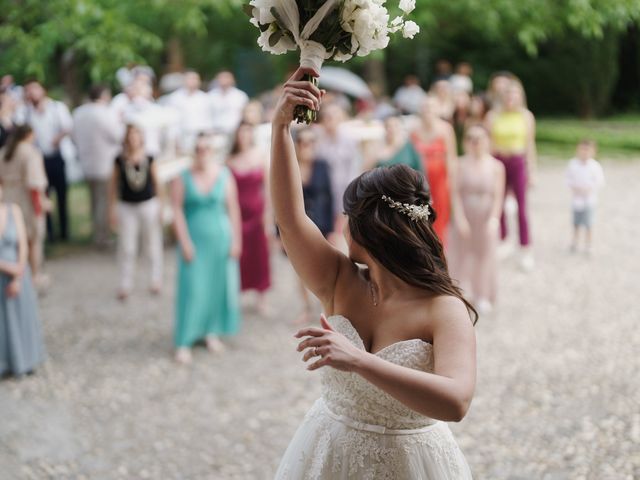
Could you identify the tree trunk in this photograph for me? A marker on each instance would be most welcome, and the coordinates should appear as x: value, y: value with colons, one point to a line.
x: 374, y: 73
x: 175, y: 56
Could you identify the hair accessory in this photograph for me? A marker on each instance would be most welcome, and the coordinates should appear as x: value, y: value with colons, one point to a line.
x: 414, y: 212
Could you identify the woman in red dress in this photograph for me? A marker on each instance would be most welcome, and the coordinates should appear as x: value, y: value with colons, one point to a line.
x: 248, y: 165
x: 435, y: 141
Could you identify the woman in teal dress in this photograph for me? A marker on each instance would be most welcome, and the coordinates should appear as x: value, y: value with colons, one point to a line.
x: 21, y: 348
x: 397, y: 148
x: 208, y: 228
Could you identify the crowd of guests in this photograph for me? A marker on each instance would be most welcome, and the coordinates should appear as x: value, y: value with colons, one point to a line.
x: 474, y: 148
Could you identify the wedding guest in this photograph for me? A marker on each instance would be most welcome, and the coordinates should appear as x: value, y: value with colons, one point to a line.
x: 249, y: 166
x: 397, y: 147
x: 253, y: 113
x: 474, y: 234
x: 443, y: 70
x: 444, y: 100
x: 152, y: 119
x: 478, y: 108
x: 584, y: 177
x: 317, y: 197
x: 499, y: 84
x: 227, y: 102
x: 136, y: 211
x: 24, y: 183
x: 435, y: 141
x: 512, y: 128
x: 461, y: 80
x: 21, y: 347
x: 208, y: 227
x: 409, y: 96
x: 7, y: 113
x: 51, y: 123
x: 97, y: 134
x: 340, y: 151
x: 193, y: 109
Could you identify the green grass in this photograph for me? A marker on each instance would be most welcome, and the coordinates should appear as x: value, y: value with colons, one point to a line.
x: 80, y: 218
x: 617, y: 137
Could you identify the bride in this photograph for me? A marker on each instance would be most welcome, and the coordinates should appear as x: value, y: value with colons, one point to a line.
x: 398, y: 349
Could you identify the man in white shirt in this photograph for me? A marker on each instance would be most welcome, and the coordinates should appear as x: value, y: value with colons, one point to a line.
x: 51, y: 123
x: 408, y: 98
x: 584, y: 177
x: 193, y: 111
x: 97, y: 134
x: 227, y: 102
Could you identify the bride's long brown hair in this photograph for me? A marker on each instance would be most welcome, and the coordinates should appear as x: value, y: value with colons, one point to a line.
x: 410, y: 250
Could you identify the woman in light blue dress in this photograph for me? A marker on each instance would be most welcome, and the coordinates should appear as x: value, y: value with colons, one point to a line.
x: 21, y: 348
x: 209, y: 231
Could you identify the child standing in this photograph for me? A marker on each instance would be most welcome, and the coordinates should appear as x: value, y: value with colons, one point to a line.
x: 584, y: 177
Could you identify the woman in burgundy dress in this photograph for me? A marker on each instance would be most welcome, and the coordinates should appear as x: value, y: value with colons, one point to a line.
x: 248, y: 165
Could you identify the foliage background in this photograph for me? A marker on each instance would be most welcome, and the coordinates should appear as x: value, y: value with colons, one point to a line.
x: 574, y: 56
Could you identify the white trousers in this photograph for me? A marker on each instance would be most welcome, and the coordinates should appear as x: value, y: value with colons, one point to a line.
x: 135, y: 220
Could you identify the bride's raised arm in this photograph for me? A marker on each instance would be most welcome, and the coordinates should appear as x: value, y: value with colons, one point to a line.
x: 313, y: 257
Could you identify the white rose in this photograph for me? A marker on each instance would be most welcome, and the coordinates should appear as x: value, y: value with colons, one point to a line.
x: 283, y: 46
x: 370, y: 28
x: 407, y: 6
x: 410, y: 29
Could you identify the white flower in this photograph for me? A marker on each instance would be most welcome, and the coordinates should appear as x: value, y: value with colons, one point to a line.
x: 410, y: 29
x: 283, y: 46
x: 396, y: 24
x: 369, y: 24
x: 407, y: 6
x: 342, y: 57
x: 262, y: 11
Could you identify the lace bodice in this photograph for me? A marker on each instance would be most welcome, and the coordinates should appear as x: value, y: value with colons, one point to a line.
x: 349, y: 394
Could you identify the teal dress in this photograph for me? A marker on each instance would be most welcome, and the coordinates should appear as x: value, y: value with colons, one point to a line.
x: 407, y: 155
x: 21, y: 348
x: 208, y: 287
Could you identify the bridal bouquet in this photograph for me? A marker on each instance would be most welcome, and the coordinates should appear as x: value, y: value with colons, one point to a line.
x: 326, y: 29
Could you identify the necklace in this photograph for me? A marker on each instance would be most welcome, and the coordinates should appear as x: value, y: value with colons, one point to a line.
x: 373, y: 294
x: 136, y: 174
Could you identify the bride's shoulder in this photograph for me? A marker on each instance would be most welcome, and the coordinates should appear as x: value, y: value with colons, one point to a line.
x: 447, y: 310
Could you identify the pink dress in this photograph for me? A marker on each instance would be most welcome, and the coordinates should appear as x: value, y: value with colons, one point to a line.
x: 472, y: 260
x: 255, y: 271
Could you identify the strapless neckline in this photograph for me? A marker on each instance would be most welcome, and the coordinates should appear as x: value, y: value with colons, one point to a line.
x: 383, y: 350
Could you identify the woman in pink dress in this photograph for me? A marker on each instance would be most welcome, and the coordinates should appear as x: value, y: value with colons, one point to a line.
x: 475, y: 232
x: 248, y: 165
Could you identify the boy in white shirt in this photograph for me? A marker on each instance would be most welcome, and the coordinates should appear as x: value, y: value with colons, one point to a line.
x: 584, y: 177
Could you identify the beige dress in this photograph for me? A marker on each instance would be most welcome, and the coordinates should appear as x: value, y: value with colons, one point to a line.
x: 472, y: 260
x: 24, y: 172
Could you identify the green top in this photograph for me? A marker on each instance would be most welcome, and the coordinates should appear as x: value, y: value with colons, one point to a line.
x: 407, y: 155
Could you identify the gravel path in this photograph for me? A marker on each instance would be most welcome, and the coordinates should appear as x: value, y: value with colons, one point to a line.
x: 558, y: 392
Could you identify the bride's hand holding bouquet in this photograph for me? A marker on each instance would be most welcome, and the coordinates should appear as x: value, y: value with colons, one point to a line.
x: 297, y: 92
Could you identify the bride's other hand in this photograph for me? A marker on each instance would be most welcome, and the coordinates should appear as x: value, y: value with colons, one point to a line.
x: 334, y: 348
x: 297, y: 92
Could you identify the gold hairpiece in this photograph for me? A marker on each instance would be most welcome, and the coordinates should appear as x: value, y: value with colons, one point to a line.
x: 414, y: 212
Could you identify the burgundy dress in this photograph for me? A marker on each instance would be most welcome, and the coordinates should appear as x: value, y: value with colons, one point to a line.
x: 255, y: 271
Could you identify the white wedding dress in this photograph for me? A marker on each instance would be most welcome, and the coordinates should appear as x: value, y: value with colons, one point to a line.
x: 357, y: 431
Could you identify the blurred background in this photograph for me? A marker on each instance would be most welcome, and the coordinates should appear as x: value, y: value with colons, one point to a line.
x: 102, y: 386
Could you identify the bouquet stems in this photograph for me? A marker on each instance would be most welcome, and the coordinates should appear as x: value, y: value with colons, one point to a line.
x: 302, y: 113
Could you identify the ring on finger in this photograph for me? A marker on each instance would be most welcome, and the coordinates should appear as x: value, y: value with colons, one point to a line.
x: 315, y: 352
